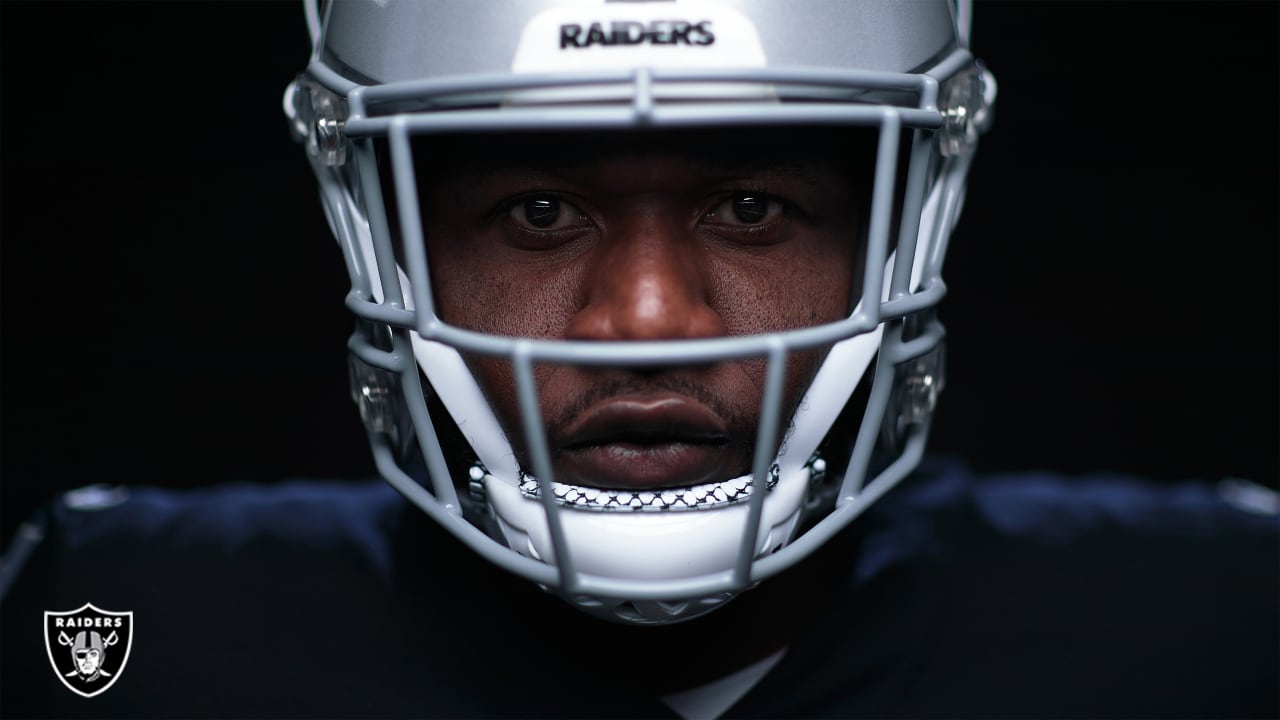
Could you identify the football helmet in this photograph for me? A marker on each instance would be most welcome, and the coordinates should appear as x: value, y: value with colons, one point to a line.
x: 387, y: 74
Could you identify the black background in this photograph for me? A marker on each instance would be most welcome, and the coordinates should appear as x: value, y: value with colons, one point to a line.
x: 172, y: 303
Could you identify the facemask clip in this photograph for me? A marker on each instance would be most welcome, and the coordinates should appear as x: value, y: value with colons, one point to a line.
x: 965, y: 103
x: 475, y: 481
x: 918, y: 383
x: 921, y: 384
x: 376, y: 393
x: 316, y: 118
x: 817, y: 493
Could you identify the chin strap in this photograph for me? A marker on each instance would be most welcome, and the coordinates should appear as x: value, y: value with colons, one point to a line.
x: 582, y: 497
x: 694, y: 497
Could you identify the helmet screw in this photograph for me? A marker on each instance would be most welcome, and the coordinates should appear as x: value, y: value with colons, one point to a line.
x: 475, y: 481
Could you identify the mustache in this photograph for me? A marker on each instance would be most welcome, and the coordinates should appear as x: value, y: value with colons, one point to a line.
x: 742, y: 429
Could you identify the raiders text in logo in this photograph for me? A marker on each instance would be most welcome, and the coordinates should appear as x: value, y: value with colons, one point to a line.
x: 88, y: 647
x: 627, y: 32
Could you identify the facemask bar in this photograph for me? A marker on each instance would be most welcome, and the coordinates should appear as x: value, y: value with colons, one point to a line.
x: 643, y: 114
x: 875, y: 306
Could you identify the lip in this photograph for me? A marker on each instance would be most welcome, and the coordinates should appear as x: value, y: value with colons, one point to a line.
x: 643, y: 442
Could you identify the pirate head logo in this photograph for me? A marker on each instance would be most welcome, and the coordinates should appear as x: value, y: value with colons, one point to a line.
x: 88, y: 647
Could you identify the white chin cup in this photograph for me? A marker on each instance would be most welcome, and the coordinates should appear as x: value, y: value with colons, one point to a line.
x: 643, y: 545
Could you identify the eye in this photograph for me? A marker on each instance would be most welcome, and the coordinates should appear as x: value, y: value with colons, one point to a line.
x: 544, y: 213
x: 747, y: 209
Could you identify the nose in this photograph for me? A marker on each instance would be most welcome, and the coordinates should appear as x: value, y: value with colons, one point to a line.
x: 649, y: 279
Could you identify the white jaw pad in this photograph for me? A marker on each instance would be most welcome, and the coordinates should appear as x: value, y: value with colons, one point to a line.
x: 449, y: 376
x: 452, y: 380
x: 848, y: 360
x: 457, y: 388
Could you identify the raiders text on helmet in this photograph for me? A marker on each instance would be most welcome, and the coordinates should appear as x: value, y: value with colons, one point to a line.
x: 625, y: 32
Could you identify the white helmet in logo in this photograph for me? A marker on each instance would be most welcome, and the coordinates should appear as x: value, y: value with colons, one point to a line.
x: 387, y: 78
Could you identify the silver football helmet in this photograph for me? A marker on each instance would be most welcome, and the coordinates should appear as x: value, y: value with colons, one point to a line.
x: 387, y: 74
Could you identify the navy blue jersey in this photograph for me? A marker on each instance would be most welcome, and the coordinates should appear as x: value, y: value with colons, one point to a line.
x: 956, y: 595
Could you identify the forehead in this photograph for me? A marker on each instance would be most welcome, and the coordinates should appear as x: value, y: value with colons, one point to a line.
x: 721, y: 151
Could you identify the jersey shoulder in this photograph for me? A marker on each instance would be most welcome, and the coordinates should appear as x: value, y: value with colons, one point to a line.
x: 230, y: 585
x: 1033, y: 594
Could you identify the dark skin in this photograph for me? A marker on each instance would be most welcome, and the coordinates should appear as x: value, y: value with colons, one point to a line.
x: 688, y: 235
x: 675, y: 236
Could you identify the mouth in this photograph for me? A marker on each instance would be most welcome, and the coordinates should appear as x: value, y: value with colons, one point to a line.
x: 648, y: 442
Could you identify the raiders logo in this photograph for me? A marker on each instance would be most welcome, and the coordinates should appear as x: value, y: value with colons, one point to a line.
x: 88, y: 647
x: 624, y: 32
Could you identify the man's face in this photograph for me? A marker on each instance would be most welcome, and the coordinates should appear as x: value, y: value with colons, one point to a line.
x: 693, y: 235
x: 87, y: 660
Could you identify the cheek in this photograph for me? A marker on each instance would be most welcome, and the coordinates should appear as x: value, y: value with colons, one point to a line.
x: 810, y: 286
x: 767, y: 293
x: 487, y: 287
x: 478, y: 287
